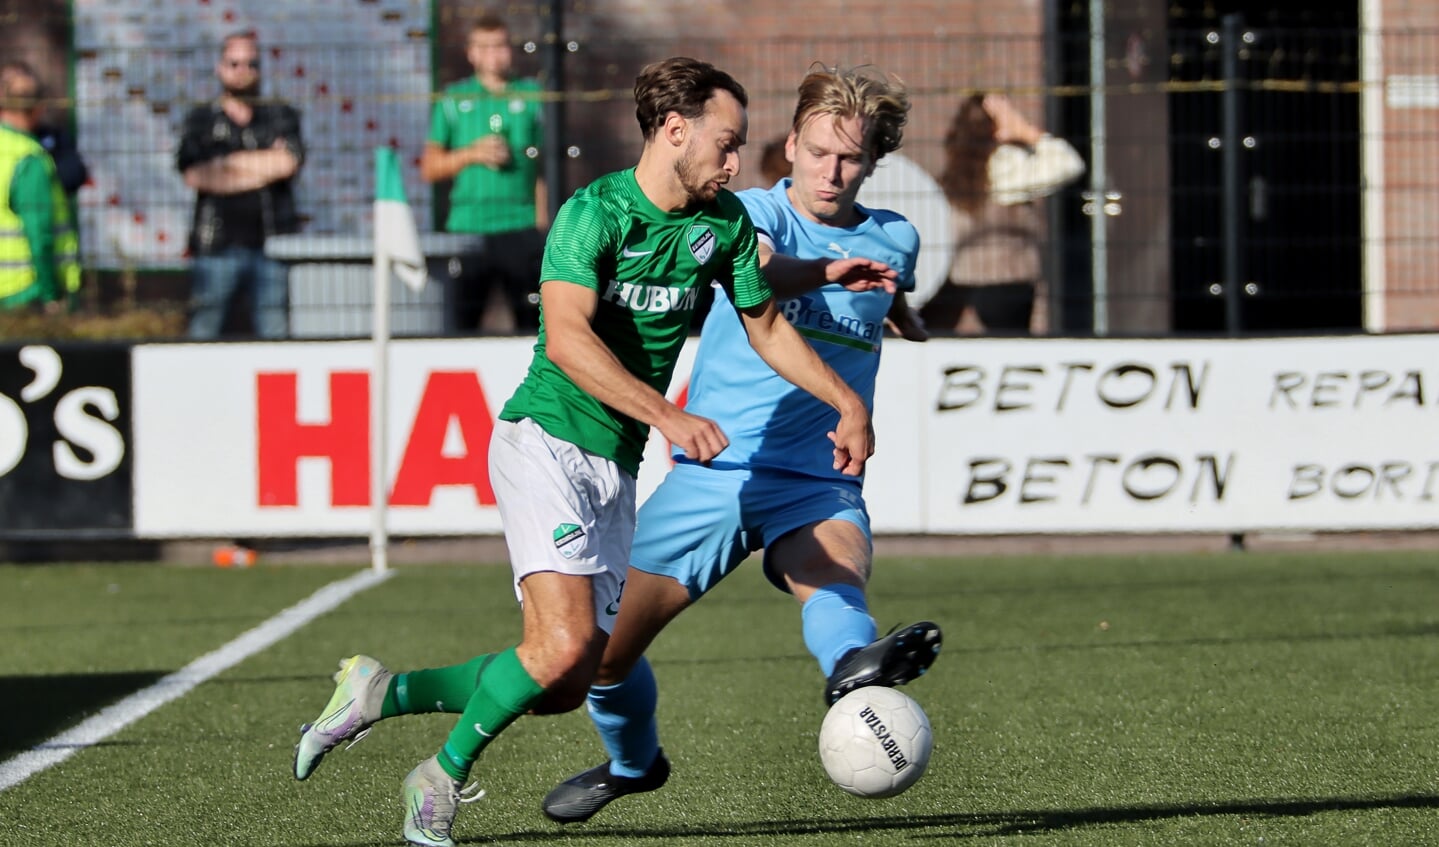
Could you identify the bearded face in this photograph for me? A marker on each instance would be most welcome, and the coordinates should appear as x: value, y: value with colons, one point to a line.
x: 710, y: 157
x: 239, y: 69
x: 244, y: 91
x: 701, y: 182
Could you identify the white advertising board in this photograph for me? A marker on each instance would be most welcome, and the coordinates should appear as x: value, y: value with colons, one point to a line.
x: 975, y: 436
x: 273, y: 439
x: 1058, y: 436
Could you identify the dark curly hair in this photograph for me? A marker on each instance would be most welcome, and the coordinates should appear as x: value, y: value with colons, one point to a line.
x: 679, y: 84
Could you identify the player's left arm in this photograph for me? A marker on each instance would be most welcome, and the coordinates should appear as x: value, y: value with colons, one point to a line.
x: 542, y: 205
x: 905, y: 321
x: 902, y: 319
x: 785, y: 350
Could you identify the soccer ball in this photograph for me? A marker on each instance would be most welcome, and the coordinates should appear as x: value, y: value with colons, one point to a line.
x: 875, y: 742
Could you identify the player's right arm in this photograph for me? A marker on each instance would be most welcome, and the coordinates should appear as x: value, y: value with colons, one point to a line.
x: 785, y: 350
x: 572, y: 346
x: 790, y: 277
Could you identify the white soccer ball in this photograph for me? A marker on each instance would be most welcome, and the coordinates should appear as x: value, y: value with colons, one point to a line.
x: 875, y: 742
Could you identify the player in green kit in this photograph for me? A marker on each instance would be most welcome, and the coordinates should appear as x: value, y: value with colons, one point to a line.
x: 623, y: 267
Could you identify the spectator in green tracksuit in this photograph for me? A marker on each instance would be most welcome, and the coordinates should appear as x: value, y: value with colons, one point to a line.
x: 485, y: 134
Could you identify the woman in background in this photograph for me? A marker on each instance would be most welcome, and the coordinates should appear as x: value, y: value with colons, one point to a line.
x: 997, y: 164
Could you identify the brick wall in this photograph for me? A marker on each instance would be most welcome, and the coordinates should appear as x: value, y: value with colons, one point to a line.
x: 1409, y: 47
x: 768, y: 45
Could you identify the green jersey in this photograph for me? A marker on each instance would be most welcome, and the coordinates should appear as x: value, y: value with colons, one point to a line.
x: 648, y: 267
x: 483, y: 199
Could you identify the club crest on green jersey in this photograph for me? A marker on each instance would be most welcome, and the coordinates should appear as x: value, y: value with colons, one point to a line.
x: 702, y: 242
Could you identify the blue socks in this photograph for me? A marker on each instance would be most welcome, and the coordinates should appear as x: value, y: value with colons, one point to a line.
x: 836, y: 620
x: 624, y: 714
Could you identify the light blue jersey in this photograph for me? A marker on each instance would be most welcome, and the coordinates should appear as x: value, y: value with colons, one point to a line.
x: 770, y: 422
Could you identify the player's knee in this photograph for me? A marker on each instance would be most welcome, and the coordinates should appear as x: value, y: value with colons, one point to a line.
x: 614, y: 670
x: 559, y: 657
x: 566, y: 695
x: 817, y: 573
x: 566, y: 684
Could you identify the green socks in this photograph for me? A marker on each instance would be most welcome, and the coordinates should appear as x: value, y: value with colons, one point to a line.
x: 505, y: 691
x: 489, y: 692
x: 435, y: 689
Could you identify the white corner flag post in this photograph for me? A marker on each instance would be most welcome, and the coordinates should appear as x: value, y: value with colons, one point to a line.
x: 397, y: 251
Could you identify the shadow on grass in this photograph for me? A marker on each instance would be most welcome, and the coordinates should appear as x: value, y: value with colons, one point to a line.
x: 1401, y: 633
x: 1396, y: 632
x: 34, y: 709
x: 977, y: 824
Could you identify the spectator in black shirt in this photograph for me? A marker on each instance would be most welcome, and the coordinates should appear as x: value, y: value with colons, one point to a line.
x: 70, y: 168
x: 241, y: 154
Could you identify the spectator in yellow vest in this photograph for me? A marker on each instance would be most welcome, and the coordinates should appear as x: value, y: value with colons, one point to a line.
x: 53, y: 135
x: 39, y: 260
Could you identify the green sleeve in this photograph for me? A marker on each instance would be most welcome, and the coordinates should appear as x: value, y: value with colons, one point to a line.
x: 30, y: 197
x: 750, y: 286
x: 580, y: 236
x: 440, y: 121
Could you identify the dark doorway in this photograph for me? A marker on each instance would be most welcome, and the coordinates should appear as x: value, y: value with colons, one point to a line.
x: 1066, y: 68
x: 1299, y: 171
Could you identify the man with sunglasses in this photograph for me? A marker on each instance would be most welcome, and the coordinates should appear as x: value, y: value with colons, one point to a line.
x: 241, y: 153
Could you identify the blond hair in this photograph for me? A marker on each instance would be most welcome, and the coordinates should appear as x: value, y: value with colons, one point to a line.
x: 879, y: 101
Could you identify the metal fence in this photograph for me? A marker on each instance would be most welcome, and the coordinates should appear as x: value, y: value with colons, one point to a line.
x: 1240, y: 179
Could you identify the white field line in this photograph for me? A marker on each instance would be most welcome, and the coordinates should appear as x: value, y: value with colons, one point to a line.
x: 114, y: 718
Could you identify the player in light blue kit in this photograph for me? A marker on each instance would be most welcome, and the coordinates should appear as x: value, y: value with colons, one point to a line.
x: 837, y: 269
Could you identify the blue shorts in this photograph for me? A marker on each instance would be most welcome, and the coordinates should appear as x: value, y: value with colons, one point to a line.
x: 700, y: 523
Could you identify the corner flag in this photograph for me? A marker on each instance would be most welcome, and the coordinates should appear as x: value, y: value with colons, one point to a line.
x: 397, y: 242
x: 397, y: 249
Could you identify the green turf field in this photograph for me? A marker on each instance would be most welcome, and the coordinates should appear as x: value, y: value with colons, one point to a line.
x: 1235, y: 699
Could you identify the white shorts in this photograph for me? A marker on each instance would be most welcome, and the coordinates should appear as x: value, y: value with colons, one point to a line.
x: 565, y: 510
